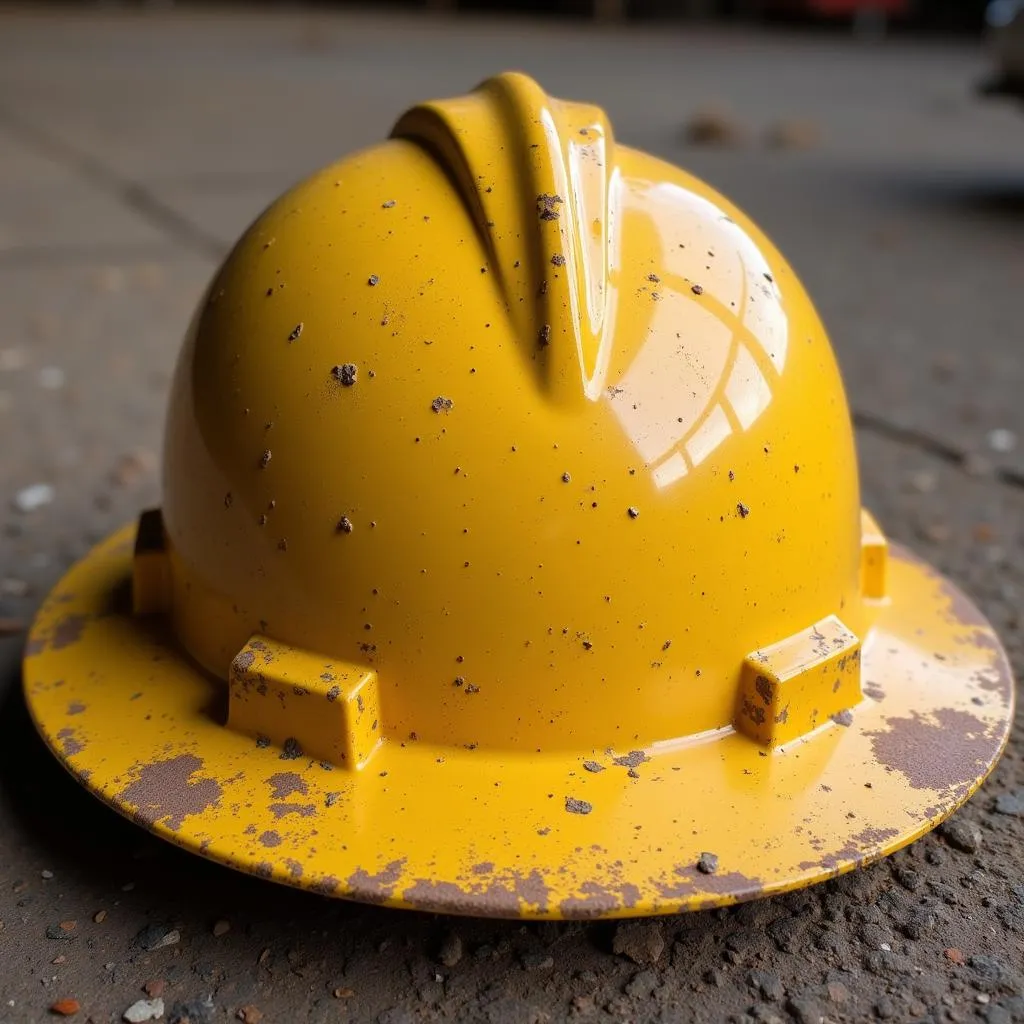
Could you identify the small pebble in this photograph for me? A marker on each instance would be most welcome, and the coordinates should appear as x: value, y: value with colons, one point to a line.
x: 1002, y: 441
x: 1009, y: 803
x: 154, y: 987
x: 708, y: 863
x: 343, y: 993
x: 961, y: 834
x: 65, y: 1007
x: 143, y: 1010
x: 537, y: 962
x: 221, y: 927
x: 33, y: 497
x: 249, y: 1014
x: 100, y: 916
x: 642, y: 941
x: 51, y: 378
x: 574, y: 806
x: 11, y: 587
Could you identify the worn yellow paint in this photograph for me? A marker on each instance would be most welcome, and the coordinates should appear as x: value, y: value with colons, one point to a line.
x: 537, y: 440
x: 794, y: 686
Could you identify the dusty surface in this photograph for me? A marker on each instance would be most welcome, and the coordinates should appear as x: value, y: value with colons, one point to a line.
x: 133, y: 149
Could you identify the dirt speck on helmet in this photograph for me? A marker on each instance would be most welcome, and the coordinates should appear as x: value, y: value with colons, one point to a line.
x: 442, y: 404
x: 265, y: 458
x: 574, y: 806
x: 373, y: 280
x: 344, y: 525
x: 296, y: 331
x: 345, y: 374
x: 547, y: 206
x: 707, y: 864
x: 742, y: 510
x: 632, y: 511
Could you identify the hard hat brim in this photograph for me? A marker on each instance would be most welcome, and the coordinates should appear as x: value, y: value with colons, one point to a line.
x: 520, y: 834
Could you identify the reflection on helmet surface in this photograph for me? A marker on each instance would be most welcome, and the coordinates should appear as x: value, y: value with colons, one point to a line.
x: 717, y: 337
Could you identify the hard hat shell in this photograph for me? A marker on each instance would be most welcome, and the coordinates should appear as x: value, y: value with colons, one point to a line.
x: 511, y: 555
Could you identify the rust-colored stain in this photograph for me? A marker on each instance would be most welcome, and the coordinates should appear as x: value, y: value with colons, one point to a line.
x: 502, y: 896
x: 283, y: 784
x: 943, y: 754
x: 70, y: 743
x: 163, y: 791
x: 303, y: 810
x: 376, y: 888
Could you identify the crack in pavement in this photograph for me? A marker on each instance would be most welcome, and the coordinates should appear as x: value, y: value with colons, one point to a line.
x: 129, y: 193
x: 911, y: 437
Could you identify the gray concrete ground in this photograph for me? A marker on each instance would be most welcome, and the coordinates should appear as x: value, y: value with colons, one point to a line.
x: 133, y: 148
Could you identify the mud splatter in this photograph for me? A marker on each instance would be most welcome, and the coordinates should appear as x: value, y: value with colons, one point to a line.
x: 75, y: 708
x: 270, y: 838
x: 163, y: 791
x: 283, y: 784
x: 294, y: 868
x: 942, y: 754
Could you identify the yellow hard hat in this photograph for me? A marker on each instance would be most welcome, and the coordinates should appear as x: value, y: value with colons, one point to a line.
x: 511, y: 558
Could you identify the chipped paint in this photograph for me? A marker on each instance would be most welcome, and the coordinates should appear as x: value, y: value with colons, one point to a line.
x: 378, y: 887
x: 284, y: 784
x: 939, y: 752
x: 68, y: 631
x: 283, y: 810
x: 502, y: 896
x: 595, y: 899
x: 70, y: 742
x: 164, y: 792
